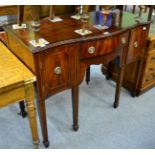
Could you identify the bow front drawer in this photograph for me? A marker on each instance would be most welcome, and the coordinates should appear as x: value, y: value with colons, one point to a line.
x: 104, y: 46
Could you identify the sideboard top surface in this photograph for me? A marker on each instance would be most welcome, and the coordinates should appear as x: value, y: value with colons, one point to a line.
x: 60, y: 33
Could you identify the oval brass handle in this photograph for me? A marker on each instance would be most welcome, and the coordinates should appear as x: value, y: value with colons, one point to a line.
x: 57, y: 70
x: 123, y: 41
x: 91, y: 50
x: 135, y: 44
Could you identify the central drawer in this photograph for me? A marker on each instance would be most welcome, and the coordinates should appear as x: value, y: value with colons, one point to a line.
x: 104, y: 46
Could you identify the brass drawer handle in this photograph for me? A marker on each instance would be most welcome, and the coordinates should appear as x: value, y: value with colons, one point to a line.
x: 91, y: 49
x: 144, y: 28
x: 57, y: 70
x: 123, y: 41
x: 135, y: 44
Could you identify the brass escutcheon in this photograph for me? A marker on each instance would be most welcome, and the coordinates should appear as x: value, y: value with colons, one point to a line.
x: 91, y: 49
x: 135, y: 44
x: 57, y: 70
x: 123, y: 41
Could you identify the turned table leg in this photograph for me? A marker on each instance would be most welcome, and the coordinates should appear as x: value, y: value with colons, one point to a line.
x: 75, y: 103
x: 29, y: 95
x: 118, y: 86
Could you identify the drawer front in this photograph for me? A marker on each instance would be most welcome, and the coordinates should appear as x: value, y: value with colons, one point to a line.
x: 104, y: 46
x: 55, y: 71
x: 137, y: 43
x: 149, y: 74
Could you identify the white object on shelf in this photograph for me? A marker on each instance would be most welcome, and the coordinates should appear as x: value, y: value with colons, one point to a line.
x: 56, y: 19
x: 77, y: 17
x: 16, y: 26
x: 41, y: 43
x: 80, y: 31
x: 100, y: 27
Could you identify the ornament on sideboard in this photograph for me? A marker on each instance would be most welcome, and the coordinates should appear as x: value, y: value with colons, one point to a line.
x: 80, y: 9
x: 52, y: 16
x: 35, y: 11
x: 20, y: 24
x: 141, y: 10
x: 84, y: 19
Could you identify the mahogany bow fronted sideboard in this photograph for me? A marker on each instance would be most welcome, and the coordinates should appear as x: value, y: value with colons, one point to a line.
x: 62, y: 63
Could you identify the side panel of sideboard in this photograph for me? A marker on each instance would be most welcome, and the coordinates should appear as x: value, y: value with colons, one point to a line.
x: 21, y: 52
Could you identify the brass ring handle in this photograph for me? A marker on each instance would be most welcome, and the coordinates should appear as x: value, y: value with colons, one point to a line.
x: 91, y: 49
x: 57, y: 70
x: 135, y: 44
x: 123, y: 41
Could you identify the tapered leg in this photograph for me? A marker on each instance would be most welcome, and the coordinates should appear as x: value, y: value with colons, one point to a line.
x: 42, y: 115
x: 88, y: 75
x: 43, y: 122
x: 22, y: 112
x: 118, y: 86
x: 29, y: 95
x: 108, y: 73
x: 134, y: 91
x: 75, y: 103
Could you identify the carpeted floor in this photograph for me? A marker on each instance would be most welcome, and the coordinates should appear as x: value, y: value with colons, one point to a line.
x: 132, y: 125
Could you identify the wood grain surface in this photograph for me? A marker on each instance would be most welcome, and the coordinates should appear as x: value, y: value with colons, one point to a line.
x: 11, y: 69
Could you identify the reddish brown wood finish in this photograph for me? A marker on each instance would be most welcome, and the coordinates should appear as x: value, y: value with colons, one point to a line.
x: 137, y: 43
x: 62, y: 63
x: 103, y: 47
x: 135, y: 60
x: 63, y: 58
